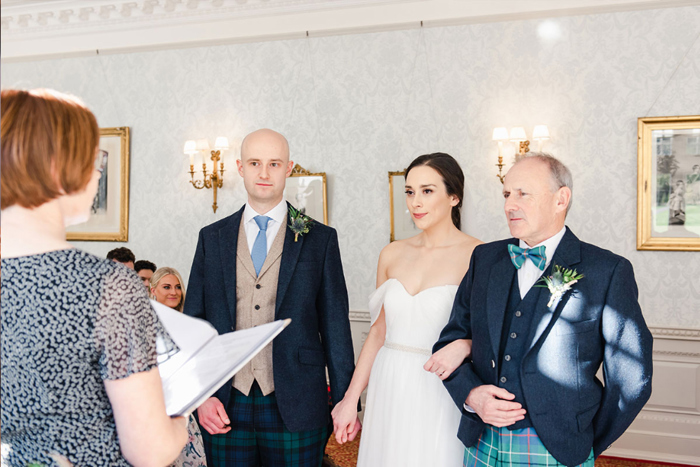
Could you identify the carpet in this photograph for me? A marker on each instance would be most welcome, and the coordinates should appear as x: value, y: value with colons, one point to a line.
x: 346, y: 456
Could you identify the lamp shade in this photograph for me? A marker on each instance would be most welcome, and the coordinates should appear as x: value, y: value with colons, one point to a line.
x: 190, y: 147
x: 203, y: 145
x: 540, y: 132
x: 500, y: 134
x: 221, y: 143
x: 517, y: 134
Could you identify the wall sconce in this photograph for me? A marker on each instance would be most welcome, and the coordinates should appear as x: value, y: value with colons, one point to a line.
x: 518, y: 136
x: 215, y: 179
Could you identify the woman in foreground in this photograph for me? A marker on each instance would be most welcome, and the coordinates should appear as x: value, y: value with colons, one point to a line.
x: 410, y: 419
x: 79, y: 377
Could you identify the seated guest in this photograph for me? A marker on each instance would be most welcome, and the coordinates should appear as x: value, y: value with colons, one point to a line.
x: 167, y: 288
x: 79, y: 377
x: 122, y: 255
x: 145, y: 270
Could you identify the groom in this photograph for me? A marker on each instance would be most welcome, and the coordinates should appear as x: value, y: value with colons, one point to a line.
x: 529, y: 394
x: 249, y: 269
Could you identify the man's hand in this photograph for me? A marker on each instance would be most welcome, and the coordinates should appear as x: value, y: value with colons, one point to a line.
x: 447, y: 359
x: 213, y: 418
x: 491, y: 404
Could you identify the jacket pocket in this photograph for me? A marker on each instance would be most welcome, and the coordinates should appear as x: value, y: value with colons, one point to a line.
x: 585, y: 418
x: 312, y: 357
x: 566, y: 327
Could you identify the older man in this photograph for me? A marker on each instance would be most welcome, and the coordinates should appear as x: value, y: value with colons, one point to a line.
x: 545, y: 310
x: 251, y: 268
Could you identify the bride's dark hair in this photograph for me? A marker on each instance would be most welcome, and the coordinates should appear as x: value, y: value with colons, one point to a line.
x: 452, y: 177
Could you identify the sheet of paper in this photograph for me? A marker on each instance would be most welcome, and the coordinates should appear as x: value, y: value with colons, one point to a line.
x: 189, y: 334
x: 214, y: 365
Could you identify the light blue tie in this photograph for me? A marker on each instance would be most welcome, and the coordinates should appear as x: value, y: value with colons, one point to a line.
x: 259, y: 252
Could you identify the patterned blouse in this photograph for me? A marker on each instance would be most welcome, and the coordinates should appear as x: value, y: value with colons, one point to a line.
x: 70, y: 320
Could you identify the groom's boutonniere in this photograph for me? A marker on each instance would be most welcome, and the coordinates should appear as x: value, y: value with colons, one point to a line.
x: 560, y: 282
x: 299, y: 223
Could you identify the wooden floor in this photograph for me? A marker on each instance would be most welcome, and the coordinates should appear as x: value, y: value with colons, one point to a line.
x: 346, y: 456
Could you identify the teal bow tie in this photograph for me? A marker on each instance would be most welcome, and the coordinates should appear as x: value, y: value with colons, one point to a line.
x: 536, y: 255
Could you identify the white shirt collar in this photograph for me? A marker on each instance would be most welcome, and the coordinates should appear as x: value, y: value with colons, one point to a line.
x: 550, y: 244
x: 277, y: 214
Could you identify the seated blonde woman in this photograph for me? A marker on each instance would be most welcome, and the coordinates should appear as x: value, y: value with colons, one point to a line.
x: 167, y: 287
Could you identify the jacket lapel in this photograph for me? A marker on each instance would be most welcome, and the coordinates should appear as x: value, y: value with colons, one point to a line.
x: 567, y: 254
x: 500, y: 280
x: 290, y: 257
x: 228, y: 242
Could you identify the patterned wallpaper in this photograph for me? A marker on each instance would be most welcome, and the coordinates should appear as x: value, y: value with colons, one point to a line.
x: 358, y: 106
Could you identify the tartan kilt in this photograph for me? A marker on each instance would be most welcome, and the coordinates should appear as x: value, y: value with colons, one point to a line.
x: 258, y: 436
x: 501, y: 447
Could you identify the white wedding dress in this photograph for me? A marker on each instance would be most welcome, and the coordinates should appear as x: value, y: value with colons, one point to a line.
x: 410, y: 420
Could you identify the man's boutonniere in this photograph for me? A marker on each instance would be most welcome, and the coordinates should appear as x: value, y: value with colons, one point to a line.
x: 299, y: 223
x: 560, y: 282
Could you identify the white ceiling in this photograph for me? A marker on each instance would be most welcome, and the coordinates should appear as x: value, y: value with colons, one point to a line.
x: 38, y: 29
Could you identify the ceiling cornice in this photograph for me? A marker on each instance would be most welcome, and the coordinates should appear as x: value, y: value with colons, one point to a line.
x: 36, y: 29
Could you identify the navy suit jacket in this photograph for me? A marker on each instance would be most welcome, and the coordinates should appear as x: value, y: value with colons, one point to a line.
x: 598, y: 322
x: 311, y: 291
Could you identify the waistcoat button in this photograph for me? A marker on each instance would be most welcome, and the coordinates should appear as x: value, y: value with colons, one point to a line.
x: 257, y: 307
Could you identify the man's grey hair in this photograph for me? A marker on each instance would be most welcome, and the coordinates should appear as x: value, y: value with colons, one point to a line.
x: 561, y: 175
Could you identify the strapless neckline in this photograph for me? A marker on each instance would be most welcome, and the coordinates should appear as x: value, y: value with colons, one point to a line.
x: 418, y: 293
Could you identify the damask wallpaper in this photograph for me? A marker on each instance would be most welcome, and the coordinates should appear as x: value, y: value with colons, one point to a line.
x: 358, y: 106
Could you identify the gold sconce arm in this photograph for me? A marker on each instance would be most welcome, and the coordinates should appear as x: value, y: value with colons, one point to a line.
x: 214, y: 180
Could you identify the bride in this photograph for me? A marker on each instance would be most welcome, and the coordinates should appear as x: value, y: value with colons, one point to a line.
x: 410, y: 419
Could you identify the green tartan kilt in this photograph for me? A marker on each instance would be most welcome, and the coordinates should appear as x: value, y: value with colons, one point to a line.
x: 501, y: 447
x: 258, y: 436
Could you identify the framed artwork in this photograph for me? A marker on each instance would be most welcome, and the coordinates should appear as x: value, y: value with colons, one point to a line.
x: 668, y: 183
x: 402, y: 225
x: 307, y: 192
x: 109, y: 219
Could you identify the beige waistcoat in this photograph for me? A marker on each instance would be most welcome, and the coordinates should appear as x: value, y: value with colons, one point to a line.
x: 255, y: 305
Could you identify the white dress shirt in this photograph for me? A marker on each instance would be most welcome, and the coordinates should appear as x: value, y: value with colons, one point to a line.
x: 278, y: 218
x: 528, y: 274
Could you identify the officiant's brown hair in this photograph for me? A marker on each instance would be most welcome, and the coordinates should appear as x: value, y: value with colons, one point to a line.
x: 452, y: 177
x: 48, y: 142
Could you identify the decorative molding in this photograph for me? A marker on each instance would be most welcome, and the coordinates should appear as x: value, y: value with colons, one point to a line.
x: 121, y: 14
x: 675, y: 333
x: 658, y: 418
x: 673, y: 353
x: 43, y: 30
x: 360, y: 316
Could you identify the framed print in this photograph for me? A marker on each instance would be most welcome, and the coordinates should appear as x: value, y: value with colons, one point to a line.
x: 402, y: 225
x: 668, y: 183
x: 109, y: 219
x: 307, y: 193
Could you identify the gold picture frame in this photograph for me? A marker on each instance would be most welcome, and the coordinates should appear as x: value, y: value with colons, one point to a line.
x: 401, y: 222
x: 109, y: 219
x: 306, y: 191
x: 668, y: 183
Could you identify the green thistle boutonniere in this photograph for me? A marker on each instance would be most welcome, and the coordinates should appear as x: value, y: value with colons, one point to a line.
x: 299, y: 223
x: 560, y: 282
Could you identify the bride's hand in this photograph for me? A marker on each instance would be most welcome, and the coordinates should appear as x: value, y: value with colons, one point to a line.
x: 345, y: 421
x: 447, y: 359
